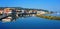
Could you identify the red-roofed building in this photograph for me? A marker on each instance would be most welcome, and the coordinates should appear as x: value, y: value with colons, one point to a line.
x: 7, y: 11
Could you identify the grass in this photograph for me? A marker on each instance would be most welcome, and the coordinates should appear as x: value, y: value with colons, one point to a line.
x: 49, y: 17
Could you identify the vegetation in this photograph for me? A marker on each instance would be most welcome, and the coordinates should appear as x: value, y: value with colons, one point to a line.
x: 49, y: 17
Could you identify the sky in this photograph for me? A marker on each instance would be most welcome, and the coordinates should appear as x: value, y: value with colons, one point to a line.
x: 51, y: 5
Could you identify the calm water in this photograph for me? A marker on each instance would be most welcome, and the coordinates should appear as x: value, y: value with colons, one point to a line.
x: 31, y: 23
x: 54, y: 14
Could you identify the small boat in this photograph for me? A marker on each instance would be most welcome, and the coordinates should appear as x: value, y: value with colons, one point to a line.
x: 8, y: 19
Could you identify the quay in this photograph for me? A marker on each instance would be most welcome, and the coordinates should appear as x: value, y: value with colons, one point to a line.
x: 3, y: 17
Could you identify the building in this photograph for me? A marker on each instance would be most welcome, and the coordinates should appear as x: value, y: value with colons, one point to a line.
x: 40, y: 12
x: 7, y: 11
x: 1, y: 11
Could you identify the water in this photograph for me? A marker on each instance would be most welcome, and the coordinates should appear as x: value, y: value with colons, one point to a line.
x: 54, y: 14
x: 31, y: 23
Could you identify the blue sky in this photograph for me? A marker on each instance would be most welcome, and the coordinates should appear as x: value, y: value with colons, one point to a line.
x: 51, y: 5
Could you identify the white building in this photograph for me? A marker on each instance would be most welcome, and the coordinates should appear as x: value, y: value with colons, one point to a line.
x: 22, y: 11
x: 41, y: 12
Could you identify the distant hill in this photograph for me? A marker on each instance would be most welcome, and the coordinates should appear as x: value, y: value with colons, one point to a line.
x: 20, y: 8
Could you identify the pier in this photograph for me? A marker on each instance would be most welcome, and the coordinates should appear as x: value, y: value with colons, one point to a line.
x: 3, y: 16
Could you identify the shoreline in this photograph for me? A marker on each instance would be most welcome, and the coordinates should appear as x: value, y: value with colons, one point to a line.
x: 49, y: 17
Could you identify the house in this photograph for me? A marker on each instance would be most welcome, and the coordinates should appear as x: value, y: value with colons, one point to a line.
x: 1, y: 11
x: 7, y: 11
x: 40, y: 12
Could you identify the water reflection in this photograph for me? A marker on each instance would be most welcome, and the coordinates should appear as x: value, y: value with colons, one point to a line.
x: 13, y: 17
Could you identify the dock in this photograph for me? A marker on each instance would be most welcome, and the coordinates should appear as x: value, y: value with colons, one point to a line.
x: 3, y: 17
